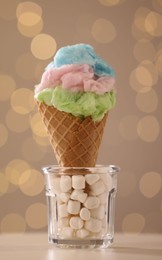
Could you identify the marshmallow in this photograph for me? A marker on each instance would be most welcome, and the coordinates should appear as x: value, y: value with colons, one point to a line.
x: 64, y: 197
x: 93, y: 225
x: 82, y: 233
x: 85, y: 214
x: 78, y: 195
x: 65, y: 183
x: 76, y: 222
x: 103, y: 197
x: 62, y: 210
x: 98, y: 187
x: 98, y: 213
x: 91, y: 202
x: 67, y: 232
x: 55, y: 185
x: 99, y: 234
x: 82, y: 197
x: 91, y: 178
x: 104, y: 222
x: 78, y: 182
x: 63, y: 222
x: 73, y: 207
x: 107, y: 179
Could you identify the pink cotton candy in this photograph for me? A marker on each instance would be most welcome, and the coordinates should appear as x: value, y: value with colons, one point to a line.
x: 99, y: 86
x: 66, y: 75
x: 75, y: 78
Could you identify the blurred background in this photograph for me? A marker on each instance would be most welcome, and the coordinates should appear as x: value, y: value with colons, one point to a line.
x: 128, y: 35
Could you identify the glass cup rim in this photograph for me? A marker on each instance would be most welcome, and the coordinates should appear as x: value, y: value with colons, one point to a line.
x: 111, y: 169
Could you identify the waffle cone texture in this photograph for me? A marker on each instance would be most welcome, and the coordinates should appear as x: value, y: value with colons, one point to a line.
x: 75, y: 141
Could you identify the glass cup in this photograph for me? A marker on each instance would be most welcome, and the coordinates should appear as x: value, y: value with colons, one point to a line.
x: 81, y: 205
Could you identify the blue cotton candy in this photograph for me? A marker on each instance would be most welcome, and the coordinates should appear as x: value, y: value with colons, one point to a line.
x: 81, y: 54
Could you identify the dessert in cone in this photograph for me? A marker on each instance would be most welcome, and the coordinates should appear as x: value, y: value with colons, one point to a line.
x: 75, y: 141
x: 74, y: 98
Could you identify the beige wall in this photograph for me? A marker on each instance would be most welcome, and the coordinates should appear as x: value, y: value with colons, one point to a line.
x: 128, y: 34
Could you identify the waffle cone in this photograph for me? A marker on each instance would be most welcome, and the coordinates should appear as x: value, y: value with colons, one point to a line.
x: 75, y: 141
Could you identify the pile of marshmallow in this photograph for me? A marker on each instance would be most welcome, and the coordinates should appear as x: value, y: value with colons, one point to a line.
x: 82, y: 202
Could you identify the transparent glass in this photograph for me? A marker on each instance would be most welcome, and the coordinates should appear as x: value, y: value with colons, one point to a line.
x: 81, y: 205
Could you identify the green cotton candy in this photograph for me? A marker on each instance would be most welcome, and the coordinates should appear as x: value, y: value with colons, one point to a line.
x: 45, y: 96
x: 80, y: 104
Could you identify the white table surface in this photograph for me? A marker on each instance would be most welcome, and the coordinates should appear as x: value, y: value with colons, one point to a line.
x: 31, y: 246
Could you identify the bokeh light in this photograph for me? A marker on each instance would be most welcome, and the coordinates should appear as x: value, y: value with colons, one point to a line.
x: 158, y: 62
x: 43, y: 46
x: 28, y: 7
x: 3, y: 135
x: 153, y: 24
x: 29, y: 15
x: 8, y: 84
x: 31, y: 182
x: 150, y: 184
x: 144, y: 50
x: 16, y: 122
x: 148, y: 70
x: 144, y: 76
x: 138, y: 27
x: 37, y: 125
x: 44, y: 141
x: 13, y: 223
x: 3, y: 183
x: 128, y: 127
x: 29, y: 18
x: 133, y: 223
x: 103, y: 31
x: 30, y: 148
x: 148, y: 128
x: 157, y: 4
x: 15, y: 169
x: 36, y: 215
x: 147, y: 101
x: 22, y: 101
x: 25, y: 66
x: 140, y: 17
x: 111, y: 2
x: 30, y: 31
